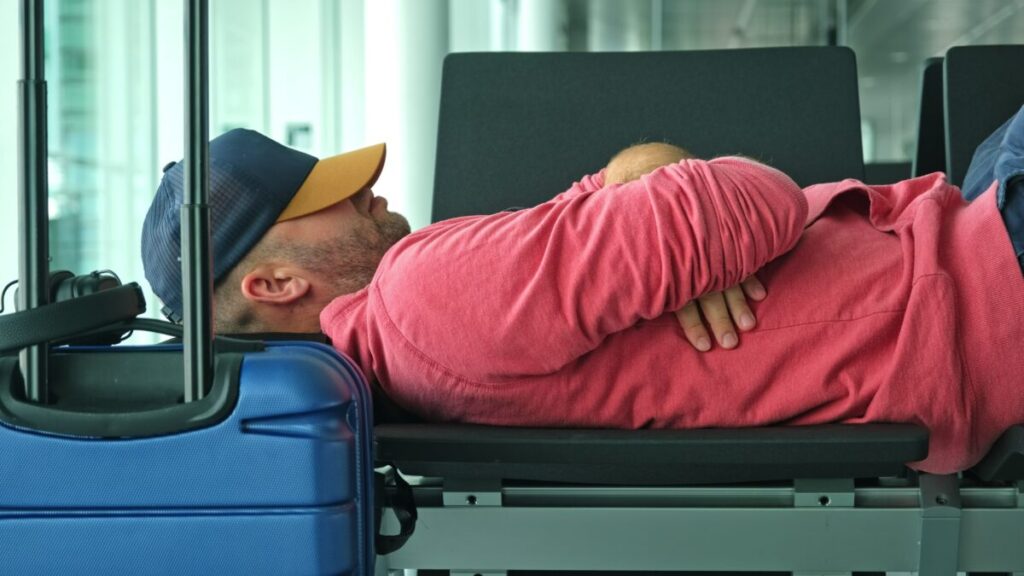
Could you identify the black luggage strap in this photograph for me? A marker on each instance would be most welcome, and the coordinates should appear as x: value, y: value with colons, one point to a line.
x: 62, y: 320
x: 395, y: 493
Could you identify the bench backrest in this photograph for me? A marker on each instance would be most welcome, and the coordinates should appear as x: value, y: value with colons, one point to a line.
x: 984, y: 86
x: 930, y: 153
x: 515, y: 129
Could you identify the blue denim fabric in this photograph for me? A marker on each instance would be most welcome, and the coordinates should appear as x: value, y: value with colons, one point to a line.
x: 1001, y: 158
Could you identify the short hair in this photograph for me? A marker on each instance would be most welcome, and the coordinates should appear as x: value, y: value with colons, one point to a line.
x: 639, y: 159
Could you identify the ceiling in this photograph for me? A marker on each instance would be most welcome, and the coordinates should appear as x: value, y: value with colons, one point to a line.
x: 891, y: 38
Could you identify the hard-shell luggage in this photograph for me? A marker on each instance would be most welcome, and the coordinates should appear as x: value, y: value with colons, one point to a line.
x: 273, y: 477
x: 218, y: 456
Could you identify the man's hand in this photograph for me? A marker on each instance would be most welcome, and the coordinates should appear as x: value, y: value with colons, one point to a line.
x: 721, y: 309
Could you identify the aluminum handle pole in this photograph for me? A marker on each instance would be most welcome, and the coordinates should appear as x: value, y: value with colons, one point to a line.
x: 33, y: 224
x: 195, y: 211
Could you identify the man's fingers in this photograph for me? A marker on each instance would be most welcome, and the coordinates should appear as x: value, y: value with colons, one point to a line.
x: 753, y: 288
x: 716, y: 312
x: 738, y: 308
x: 693, y: 328
x: 723, y: 312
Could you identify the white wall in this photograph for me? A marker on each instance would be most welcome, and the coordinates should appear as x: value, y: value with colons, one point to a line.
x: 406, y: 41
x: 9, y: 74
x: 168, y: 43
x: 469, y: 25
x: 126, y: 165
x: 239, y: 91
x: 294, y: 70
x: 541, y: 25
x: 350, y: 89
x: 355, y: 71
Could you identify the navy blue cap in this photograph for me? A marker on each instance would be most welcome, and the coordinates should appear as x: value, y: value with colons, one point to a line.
x: 252, y: 181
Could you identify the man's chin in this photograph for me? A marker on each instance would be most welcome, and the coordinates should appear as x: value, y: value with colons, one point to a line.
x: 393, y: 227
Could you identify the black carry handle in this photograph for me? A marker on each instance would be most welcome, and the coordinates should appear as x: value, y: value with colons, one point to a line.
x: 64, y: 320
x: 153, y: 409
x: 70, y: 411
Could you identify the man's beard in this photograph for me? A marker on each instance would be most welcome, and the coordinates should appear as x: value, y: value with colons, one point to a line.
x: 350, y: 259
x: 392, y: 228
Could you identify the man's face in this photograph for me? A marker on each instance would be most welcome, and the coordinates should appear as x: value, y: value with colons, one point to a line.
x: 370, y: 220
x: 342, y: 245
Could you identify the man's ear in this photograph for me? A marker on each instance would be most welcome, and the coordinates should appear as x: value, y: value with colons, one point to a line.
x: 275, y: 285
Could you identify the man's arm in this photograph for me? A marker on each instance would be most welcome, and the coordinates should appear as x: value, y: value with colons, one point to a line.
x: 528, y: 292
x: 718, y: 309
x: 585, y: 185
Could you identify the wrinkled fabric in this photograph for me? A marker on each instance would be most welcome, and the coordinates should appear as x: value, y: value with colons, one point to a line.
x: 1000, y: 159
x: 560, y: 315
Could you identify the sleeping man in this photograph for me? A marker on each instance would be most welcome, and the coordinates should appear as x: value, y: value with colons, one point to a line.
x: 898, y: 303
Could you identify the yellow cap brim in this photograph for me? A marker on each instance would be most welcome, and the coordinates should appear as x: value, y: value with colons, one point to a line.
x: 334, y: 179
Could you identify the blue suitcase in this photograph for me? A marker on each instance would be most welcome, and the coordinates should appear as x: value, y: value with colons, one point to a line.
x: 274, y: 476
x: 227, y: 457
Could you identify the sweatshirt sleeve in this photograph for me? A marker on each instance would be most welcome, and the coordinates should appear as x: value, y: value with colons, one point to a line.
x: 525, y: 293
x: 587, y: 184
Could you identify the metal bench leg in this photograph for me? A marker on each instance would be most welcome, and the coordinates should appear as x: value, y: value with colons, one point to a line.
x: 940, y: 525
x: 820, y: 493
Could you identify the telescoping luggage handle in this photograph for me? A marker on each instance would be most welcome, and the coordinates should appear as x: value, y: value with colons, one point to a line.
x: 196, y: 267
x: 33, y: 226
x: 41, y: 320
x: 20, y: 328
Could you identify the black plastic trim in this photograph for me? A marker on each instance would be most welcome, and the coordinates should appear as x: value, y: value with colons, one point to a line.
x: 1005, y: 460
x: 650, y: 457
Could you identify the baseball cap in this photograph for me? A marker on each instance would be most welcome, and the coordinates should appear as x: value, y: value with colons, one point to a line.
x: 254, y: 182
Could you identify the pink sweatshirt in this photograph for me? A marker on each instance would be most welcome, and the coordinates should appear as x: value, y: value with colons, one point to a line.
x: 899, y: 304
